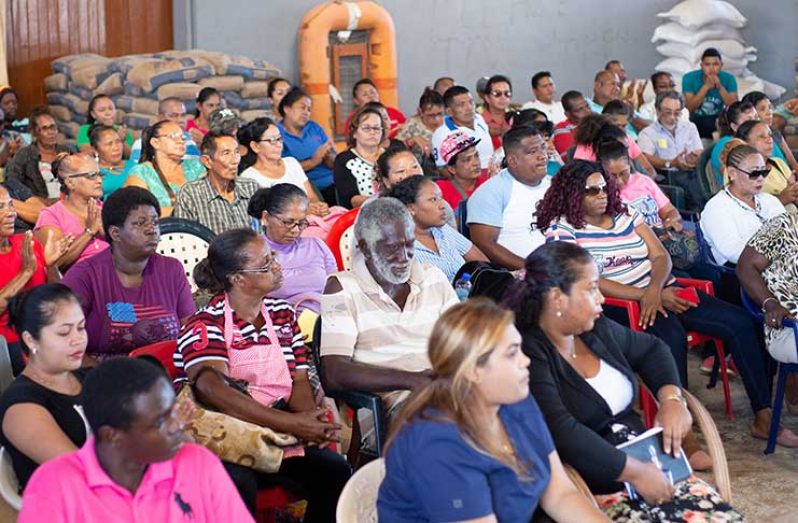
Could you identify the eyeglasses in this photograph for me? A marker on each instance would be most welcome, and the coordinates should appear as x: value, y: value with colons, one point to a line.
x: 292, y: 224
x: 756, y: 173
x: 265, y: 268
x: 506, y: 94
x: 595, y: 190
x: 272, y: 141
x: 371, y: 128
x: 176, y: 136
x: 88, y: 175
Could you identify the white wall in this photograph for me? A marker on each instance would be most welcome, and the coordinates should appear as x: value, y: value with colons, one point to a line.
x: 467, y: 39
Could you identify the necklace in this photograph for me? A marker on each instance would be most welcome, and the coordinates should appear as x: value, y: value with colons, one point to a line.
x: 757, y: 209
x: 50, y: 383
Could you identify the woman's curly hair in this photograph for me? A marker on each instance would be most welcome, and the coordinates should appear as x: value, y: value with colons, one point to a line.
x: 564, y: 197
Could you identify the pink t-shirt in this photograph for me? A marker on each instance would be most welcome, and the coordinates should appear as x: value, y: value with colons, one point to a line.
x: 645, y: 196
x: 57, y: 215
x: 74, y: 488
x: 586, y: 152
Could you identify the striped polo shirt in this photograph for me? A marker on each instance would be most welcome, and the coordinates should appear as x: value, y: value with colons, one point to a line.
x: 363, y: 323
x: 202, y: 337
x: 620, y: 253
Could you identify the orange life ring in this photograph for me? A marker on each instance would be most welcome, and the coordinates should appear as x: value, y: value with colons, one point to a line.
x: 314, y: 53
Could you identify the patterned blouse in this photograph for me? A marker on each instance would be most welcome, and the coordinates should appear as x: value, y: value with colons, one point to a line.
x: 777, y: 240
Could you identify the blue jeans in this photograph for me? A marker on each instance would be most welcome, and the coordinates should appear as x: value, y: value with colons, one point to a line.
x: 719, y: 319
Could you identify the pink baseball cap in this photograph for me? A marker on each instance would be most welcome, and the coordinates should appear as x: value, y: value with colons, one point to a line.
x: 455, y: 143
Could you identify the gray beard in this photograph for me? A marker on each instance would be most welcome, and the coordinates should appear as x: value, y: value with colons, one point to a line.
x: 383, y: 268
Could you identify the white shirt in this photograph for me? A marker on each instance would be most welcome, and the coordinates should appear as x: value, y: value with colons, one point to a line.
x: 294, y: 174
x: 480, y: 132
x: 506, y: 203
x: 613, y: 386
x: 728, y: 223
x: 553, y: 111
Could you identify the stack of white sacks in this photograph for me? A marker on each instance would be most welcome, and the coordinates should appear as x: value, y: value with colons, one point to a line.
x: 137, y: 82
x: 694, y: 25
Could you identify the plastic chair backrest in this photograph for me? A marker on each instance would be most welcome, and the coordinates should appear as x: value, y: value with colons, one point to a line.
x: 708, y: 186
x: 9, y: 486
x: 340, y: 239
x: 6, y: 373
x: 163, y: 352
x: 358, y: 500
x: 187, y: 241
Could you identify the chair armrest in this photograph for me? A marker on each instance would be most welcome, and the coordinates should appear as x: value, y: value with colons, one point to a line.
x: 365, y: 400
x: 632, y: 310
x: 702, y: 285
x: 720, y: 467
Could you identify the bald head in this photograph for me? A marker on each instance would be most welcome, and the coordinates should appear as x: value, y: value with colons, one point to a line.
x: 606, y: 87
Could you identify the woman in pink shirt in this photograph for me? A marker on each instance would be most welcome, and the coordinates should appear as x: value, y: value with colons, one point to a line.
x: 637, y: 190
x: 136, y: 466
x: 77, y: 215
x: 597, y: 128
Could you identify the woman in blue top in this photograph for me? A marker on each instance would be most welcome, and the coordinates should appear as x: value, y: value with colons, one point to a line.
x: 471, y: 445
x: 306, y: 141
x: 436, y: 242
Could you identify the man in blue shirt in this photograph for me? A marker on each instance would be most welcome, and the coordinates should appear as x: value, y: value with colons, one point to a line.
x: 708, y: 90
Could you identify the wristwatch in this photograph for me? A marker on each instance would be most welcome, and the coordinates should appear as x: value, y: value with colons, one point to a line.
x: 667, y: 164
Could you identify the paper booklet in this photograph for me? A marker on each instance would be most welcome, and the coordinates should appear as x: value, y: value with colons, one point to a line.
x: 648, y: 447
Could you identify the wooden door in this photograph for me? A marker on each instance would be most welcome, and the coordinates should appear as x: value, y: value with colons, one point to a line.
x: 39, y: 31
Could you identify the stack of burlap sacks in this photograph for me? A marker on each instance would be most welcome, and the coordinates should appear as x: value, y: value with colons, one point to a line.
x: 137, y: 82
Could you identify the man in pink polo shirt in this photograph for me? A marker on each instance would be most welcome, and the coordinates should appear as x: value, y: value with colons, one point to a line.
x: 136, y: 466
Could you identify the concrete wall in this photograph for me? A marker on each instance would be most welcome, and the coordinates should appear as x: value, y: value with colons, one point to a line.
x: 467, y: 39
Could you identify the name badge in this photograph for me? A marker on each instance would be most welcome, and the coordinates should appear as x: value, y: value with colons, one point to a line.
x: 662, y: 143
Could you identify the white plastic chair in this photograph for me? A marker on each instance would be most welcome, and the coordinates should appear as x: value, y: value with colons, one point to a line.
x: 347, y: 246
x: 9, y: 486
x: 358, y: 500
x: 186, y: 241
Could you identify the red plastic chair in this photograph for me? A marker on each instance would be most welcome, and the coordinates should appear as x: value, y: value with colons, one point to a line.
x: 647, y: 403
x: 338, y: 239
x: 270, y: 498
x: 163, y: 352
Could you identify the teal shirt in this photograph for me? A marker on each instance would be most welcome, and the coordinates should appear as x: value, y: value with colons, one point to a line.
x: 192, y: 170
x: 114, y: 179
x: 713, y: 102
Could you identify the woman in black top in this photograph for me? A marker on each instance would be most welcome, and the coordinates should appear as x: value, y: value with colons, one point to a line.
x: 583, y: 374
x: 353, y: 172
x: 40, y: 410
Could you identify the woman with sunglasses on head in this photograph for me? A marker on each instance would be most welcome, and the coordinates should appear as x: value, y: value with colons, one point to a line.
x: 265, y: 164
x: 246, y: 334
x: 78, y: 214
x: 780, y: 182
x: 162, y: 169
x: 732, y: 216
x: 306, y: 262
x: 353, y: 172
x: 583, y: 206
x: 498, y: 96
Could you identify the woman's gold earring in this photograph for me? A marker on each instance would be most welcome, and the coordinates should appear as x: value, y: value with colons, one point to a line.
x: 558, y: 313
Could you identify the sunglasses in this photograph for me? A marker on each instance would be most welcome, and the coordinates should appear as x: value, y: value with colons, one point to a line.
x: 757, y: 173
x: 265, y: 268
x: 506, y: 94
x: 595, y: 190
x: 88, y: 175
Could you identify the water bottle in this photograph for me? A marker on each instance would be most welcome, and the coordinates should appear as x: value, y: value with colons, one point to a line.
x: 462, y: 287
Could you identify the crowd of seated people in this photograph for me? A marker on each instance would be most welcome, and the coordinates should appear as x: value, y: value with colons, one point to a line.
x: 585, y: 168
